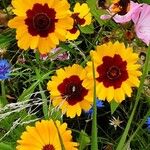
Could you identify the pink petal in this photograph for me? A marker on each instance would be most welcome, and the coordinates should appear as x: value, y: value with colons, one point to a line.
x: 105, y: 17
x: 142, y: 25
x: 134, y: 8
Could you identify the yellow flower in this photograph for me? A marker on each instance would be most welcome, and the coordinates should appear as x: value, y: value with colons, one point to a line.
x: 41, y: 24
x: 82, y: 17
x: 67, y: 91
x: 116, y: 71
x: 45, y: 136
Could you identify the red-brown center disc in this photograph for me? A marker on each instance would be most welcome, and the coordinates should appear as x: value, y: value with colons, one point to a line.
x: 113, y: 71
x: 48, y: 147
x: 71, y: 90
x: 41, y: 20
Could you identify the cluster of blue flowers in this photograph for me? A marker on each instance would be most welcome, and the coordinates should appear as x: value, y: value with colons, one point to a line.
x: 4, y: 69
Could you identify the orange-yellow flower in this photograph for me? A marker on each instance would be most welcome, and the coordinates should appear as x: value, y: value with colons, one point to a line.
x: 82, y: 17
x: 116, y: 71
x: 41, y: 24
x: 68, y: 92
x: 45, y: 136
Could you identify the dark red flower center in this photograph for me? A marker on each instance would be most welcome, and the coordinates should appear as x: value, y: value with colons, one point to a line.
x: 74, y: 29
x: 71, y: 90
x: 48, y: 147
x: 77, y: 20
x: 41, y: 20
x: 113, y: 71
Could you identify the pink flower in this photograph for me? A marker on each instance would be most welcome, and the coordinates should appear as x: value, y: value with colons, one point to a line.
x: 134, y: 8
x: 60, y: 56
x: 142, y: 24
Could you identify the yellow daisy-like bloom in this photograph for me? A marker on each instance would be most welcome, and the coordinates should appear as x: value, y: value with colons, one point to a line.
x: 45, y: 136
x: 82, y: 17
x: 68, y: 92
x: 116, y: 71
x: 41, y: 23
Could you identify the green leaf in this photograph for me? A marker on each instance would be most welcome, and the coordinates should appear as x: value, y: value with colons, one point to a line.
x: 95, y: 12
x: 145, y: 1
x: 30, y: 90
x: 4, y: 146
x: 84, y: 140
x: 89, y: 29
x: 113, y: 105
x: 2, y: 101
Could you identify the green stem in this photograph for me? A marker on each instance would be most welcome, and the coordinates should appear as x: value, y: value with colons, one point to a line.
x: 94, y: 144
x: 139, y: 127
x: 4, y: 99
x: 60, y: 138
x: 45, y: 105
x: 145, y: 69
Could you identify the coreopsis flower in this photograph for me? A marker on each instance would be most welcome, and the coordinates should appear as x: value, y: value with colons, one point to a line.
x: 116, y: 71
x: 82, y: 17
x: 142, y: 24
x: 68, y: 92
x: 41, y: 24
x: 132, y: 11
x: 4, y: 69
x: 45, y: 136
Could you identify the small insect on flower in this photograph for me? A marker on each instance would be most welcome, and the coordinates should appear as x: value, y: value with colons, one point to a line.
x: 115, y: 122
x: 4, y: 69
x: 120, y: 7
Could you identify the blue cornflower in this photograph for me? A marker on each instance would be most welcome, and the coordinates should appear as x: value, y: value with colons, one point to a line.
x: 148, y: 123
x: 99, y: 104
x: 4, y: 69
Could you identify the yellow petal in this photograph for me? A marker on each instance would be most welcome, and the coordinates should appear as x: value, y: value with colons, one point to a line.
x: 34, y: 42
x: 24, y: 41
x: 16, y: 22
x: 119, y: 95
x: 127, y: 89
x: 88, y: 19
x: 110, y: 94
